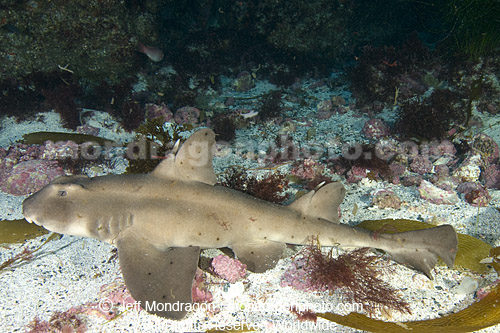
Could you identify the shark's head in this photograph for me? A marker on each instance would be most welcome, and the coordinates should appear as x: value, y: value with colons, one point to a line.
x: 56, y: 206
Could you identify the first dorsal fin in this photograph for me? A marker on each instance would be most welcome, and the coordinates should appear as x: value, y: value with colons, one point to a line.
x: 323, y: 203
x: 193, y: 161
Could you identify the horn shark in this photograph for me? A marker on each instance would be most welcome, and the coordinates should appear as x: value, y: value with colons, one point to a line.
x: 160, y: 221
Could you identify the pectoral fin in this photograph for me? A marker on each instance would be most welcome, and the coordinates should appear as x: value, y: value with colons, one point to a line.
x: 152, y: 275
x: 259, y: 256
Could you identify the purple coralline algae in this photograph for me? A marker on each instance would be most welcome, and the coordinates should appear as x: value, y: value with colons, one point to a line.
x: 444, y: 148
x: 441, y: 175
x: 19, y: 152
x: 475, y: 194
x: 356, y: 174
x: 199, y: 291
x: 111, y: 297
x: 187, y: 115
x: 30, y: 176
x: 491, y: 176
x: 308, y: 169
x: 22, y: 171
x: 397, y: 169
x: 229, y: 269
x: 421, y: 165
x: 158, y: 111
x: 375, y: 129
x: 117, y: 293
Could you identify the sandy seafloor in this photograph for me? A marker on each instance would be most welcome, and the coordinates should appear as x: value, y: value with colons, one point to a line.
x: 70, y: 271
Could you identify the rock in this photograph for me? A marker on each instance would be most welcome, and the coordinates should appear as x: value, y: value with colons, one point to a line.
x: 243, y: 82
x: 469, y: 170
x: 421, y: 165
x: 436, y: 195
x: 229, y: 269
x: 386, y: 199
x: 30, y: 176
x: 375, y: 129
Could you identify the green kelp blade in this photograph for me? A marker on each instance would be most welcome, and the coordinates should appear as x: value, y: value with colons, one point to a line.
x: 481, y: 314
x: 41, y: 137
x: 470, y: 250
x: 18, y: 231
x: 495, y: 256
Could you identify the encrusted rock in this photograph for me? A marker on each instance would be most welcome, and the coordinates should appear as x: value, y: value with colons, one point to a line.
x: 434, y: 194
x: 375, y: 129
x: 158, y: 111
x: 421, y: 165
x: 243, y: 82
x: 60, y: 150
x: 475, y: 194
x: 29, y: 176
x: 324, y: 109
x: 486, y: 147
x: 386, y: 199
x: 187, y: 115
x: 229, y: 269
x: 469, y: 170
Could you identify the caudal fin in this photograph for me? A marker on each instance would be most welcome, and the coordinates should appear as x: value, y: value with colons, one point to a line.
x: 420, y: 248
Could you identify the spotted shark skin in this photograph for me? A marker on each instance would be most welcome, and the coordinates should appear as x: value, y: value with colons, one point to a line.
x: 161, y: 220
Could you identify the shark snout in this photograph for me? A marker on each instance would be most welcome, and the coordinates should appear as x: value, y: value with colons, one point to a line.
x: 29, y: 211
x: 27, y: 215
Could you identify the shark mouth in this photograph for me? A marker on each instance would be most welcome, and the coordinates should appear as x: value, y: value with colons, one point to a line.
x: 30, y: 220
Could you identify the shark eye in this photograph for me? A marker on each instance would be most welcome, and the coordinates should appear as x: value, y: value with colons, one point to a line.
x: 62, y: 193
